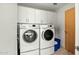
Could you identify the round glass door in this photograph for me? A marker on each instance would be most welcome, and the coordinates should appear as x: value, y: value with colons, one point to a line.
x: 48, y: 34
x: 29, y: 36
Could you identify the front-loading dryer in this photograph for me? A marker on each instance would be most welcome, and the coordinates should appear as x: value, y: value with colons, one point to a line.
x: 29, y: 39
x: 47, y: 35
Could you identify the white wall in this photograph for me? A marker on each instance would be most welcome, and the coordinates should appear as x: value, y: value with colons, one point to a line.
x: 77, y: 24
x: 77, y: 27
x: 8, y: 28
x: 60, y: 25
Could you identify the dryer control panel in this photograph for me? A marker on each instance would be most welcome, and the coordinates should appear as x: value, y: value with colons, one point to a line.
x: 24, y: 26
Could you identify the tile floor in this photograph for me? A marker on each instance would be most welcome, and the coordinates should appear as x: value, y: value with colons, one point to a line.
x: 62, y: 51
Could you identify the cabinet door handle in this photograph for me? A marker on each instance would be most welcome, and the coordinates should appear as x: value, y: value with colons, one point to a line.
x: 27, y: 20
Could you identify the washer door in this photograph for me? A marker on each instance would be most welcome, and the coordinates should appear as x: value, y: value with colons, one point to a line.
x: 48, y: 35
x: 29, y: 36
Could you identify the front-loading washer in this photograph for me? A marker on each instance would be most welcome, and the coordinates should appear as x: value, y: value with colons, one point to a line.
x: 47, y: 36
x: 29, y: 39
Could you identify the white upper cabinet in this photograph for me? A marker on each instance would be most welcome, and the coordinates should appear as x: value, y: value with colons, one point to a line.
x: 51, y: 17
x: 26, y: 15
x: 31, y: 15
x: 43, y: 16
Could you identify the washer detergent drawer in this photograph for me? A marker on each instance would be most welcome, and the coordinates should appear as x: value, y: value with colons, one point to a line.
x: 47, y: 51
x: 36, y: 52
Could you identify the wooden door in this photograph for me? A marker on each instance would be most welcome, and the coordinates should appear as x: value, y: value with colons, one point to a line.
x: 70, y: 30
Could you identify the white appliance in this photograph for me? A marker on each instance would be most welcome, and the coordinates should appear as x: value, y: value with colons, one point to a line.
x: 29, y: 39
x: 47, y: 35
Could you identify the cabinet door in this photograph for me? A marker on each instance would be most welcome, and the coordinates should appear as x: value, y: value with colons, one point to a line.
x: 23, y: 14
x: 26, y: 15
x: 41, y: 16
x: 38, y: 16
x: 51, y: 17
x: 32, y: 15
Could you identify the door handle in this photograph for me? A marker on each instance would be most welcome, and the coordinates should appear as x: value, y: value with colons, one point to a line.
x: 66, y: 32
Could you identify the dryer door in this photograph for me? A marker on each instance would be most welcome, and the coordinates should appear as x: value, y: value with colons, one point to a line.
x: 29, y: 36
x: 48, y: 35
